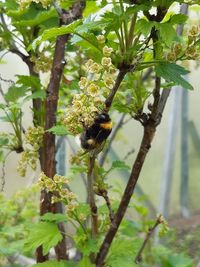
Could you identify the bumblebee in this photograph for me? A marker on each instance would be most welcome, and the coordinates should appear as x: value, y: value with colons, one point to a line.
x: 94, y: 136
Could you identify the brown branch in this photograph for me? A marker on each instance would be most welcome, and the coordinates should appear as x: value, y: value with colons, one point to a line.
x: 104, y: 194
x: 138, y: 257
x: 91, y: 197
x: 149, y: 132
x: 49, y: 150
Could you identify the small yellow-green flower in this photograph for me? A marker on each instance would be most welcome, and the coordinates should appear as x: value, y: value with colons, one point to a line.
x: 191, y: 52
x: 78, y: 105
x: 177, y: 48
x: 50, y: 185
x: 89, y: 63
x: 107, y: 51
x: 194, y: 31
x: 82, y: 217
x: 83, y: 82
x: 94, y: 68
x: 54, y: 199
x: 106, y: 62
x: 71, y: 206
x: 112, y: 70
x: 93, y: 89
x: 64, y: 193
x: 71, y: 196
x: 109, y: 82
x: 60, y: 179
x: 101, y: 39
x: 171, y: 56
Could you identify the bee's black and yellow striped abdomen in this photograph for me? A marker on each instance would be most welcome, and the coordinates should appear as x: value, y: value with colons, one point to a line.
x: 97, y: 133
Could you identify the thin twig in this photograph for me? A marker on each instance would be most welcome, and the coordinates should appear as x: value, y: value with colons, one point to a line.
x: 129, y: 153
x: 108, y: 204
x: 6, y: 80
x: 91, y: 197
x: 138, y: 257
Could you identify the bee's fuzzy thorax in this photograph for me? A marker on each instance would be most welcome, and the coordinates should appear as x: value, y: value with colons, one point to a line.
x: 97, y: 133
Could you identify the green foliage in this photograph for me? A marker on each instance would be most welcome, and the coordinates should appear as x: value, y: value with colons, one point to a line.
x: 122, y: 251
x: 173, y: 72
x: 54, y: 217
x: 53, y: 33
x: 85, y: 262
x: 165, y: 257
x: 117, y: 164
x: 16, y: 214
x: 46, y: 234
x: 14, y: 93
x: 55, y: 264
x: 58, y: 130
x: 136, y: 45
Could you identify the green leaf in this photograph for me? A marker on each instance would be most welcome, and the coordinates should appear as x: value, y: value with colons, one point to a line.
x: 91, y: 25
x: 89, y: 247
x: 53, y: 33
x: 178, y: 19
x: 2, y: 106
x: 4, y: 141
x: 123, y: 250
x: 180, y: 260
x: 40, y: 94
x: 55, y: 264
x: 46, y: 234
x: 38, y: 19
x: 144, y: 26
x: 78, y: 169
x: 91, y: 8
x: 85, y: 262
x: 90, y: 39
x: 58, y: 130
x: 30, y: 81
x: 173, y: 72
x: 54, y: 217
x: 167, y: 32
x: 14, y: 93
x: 83, y: 208
x: 117, y: 164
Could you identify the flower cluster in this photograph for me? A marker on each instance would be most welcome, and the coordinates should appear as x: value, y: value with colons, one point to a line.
x: 34, y: 137
x: 94, y: 88
x: 26, y: 3
x: 42, y: 63
x: 164, y: 228
x: 190, y: 52
x: 29, y: 157
x: 175, y: 52
x: 57, y: 186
